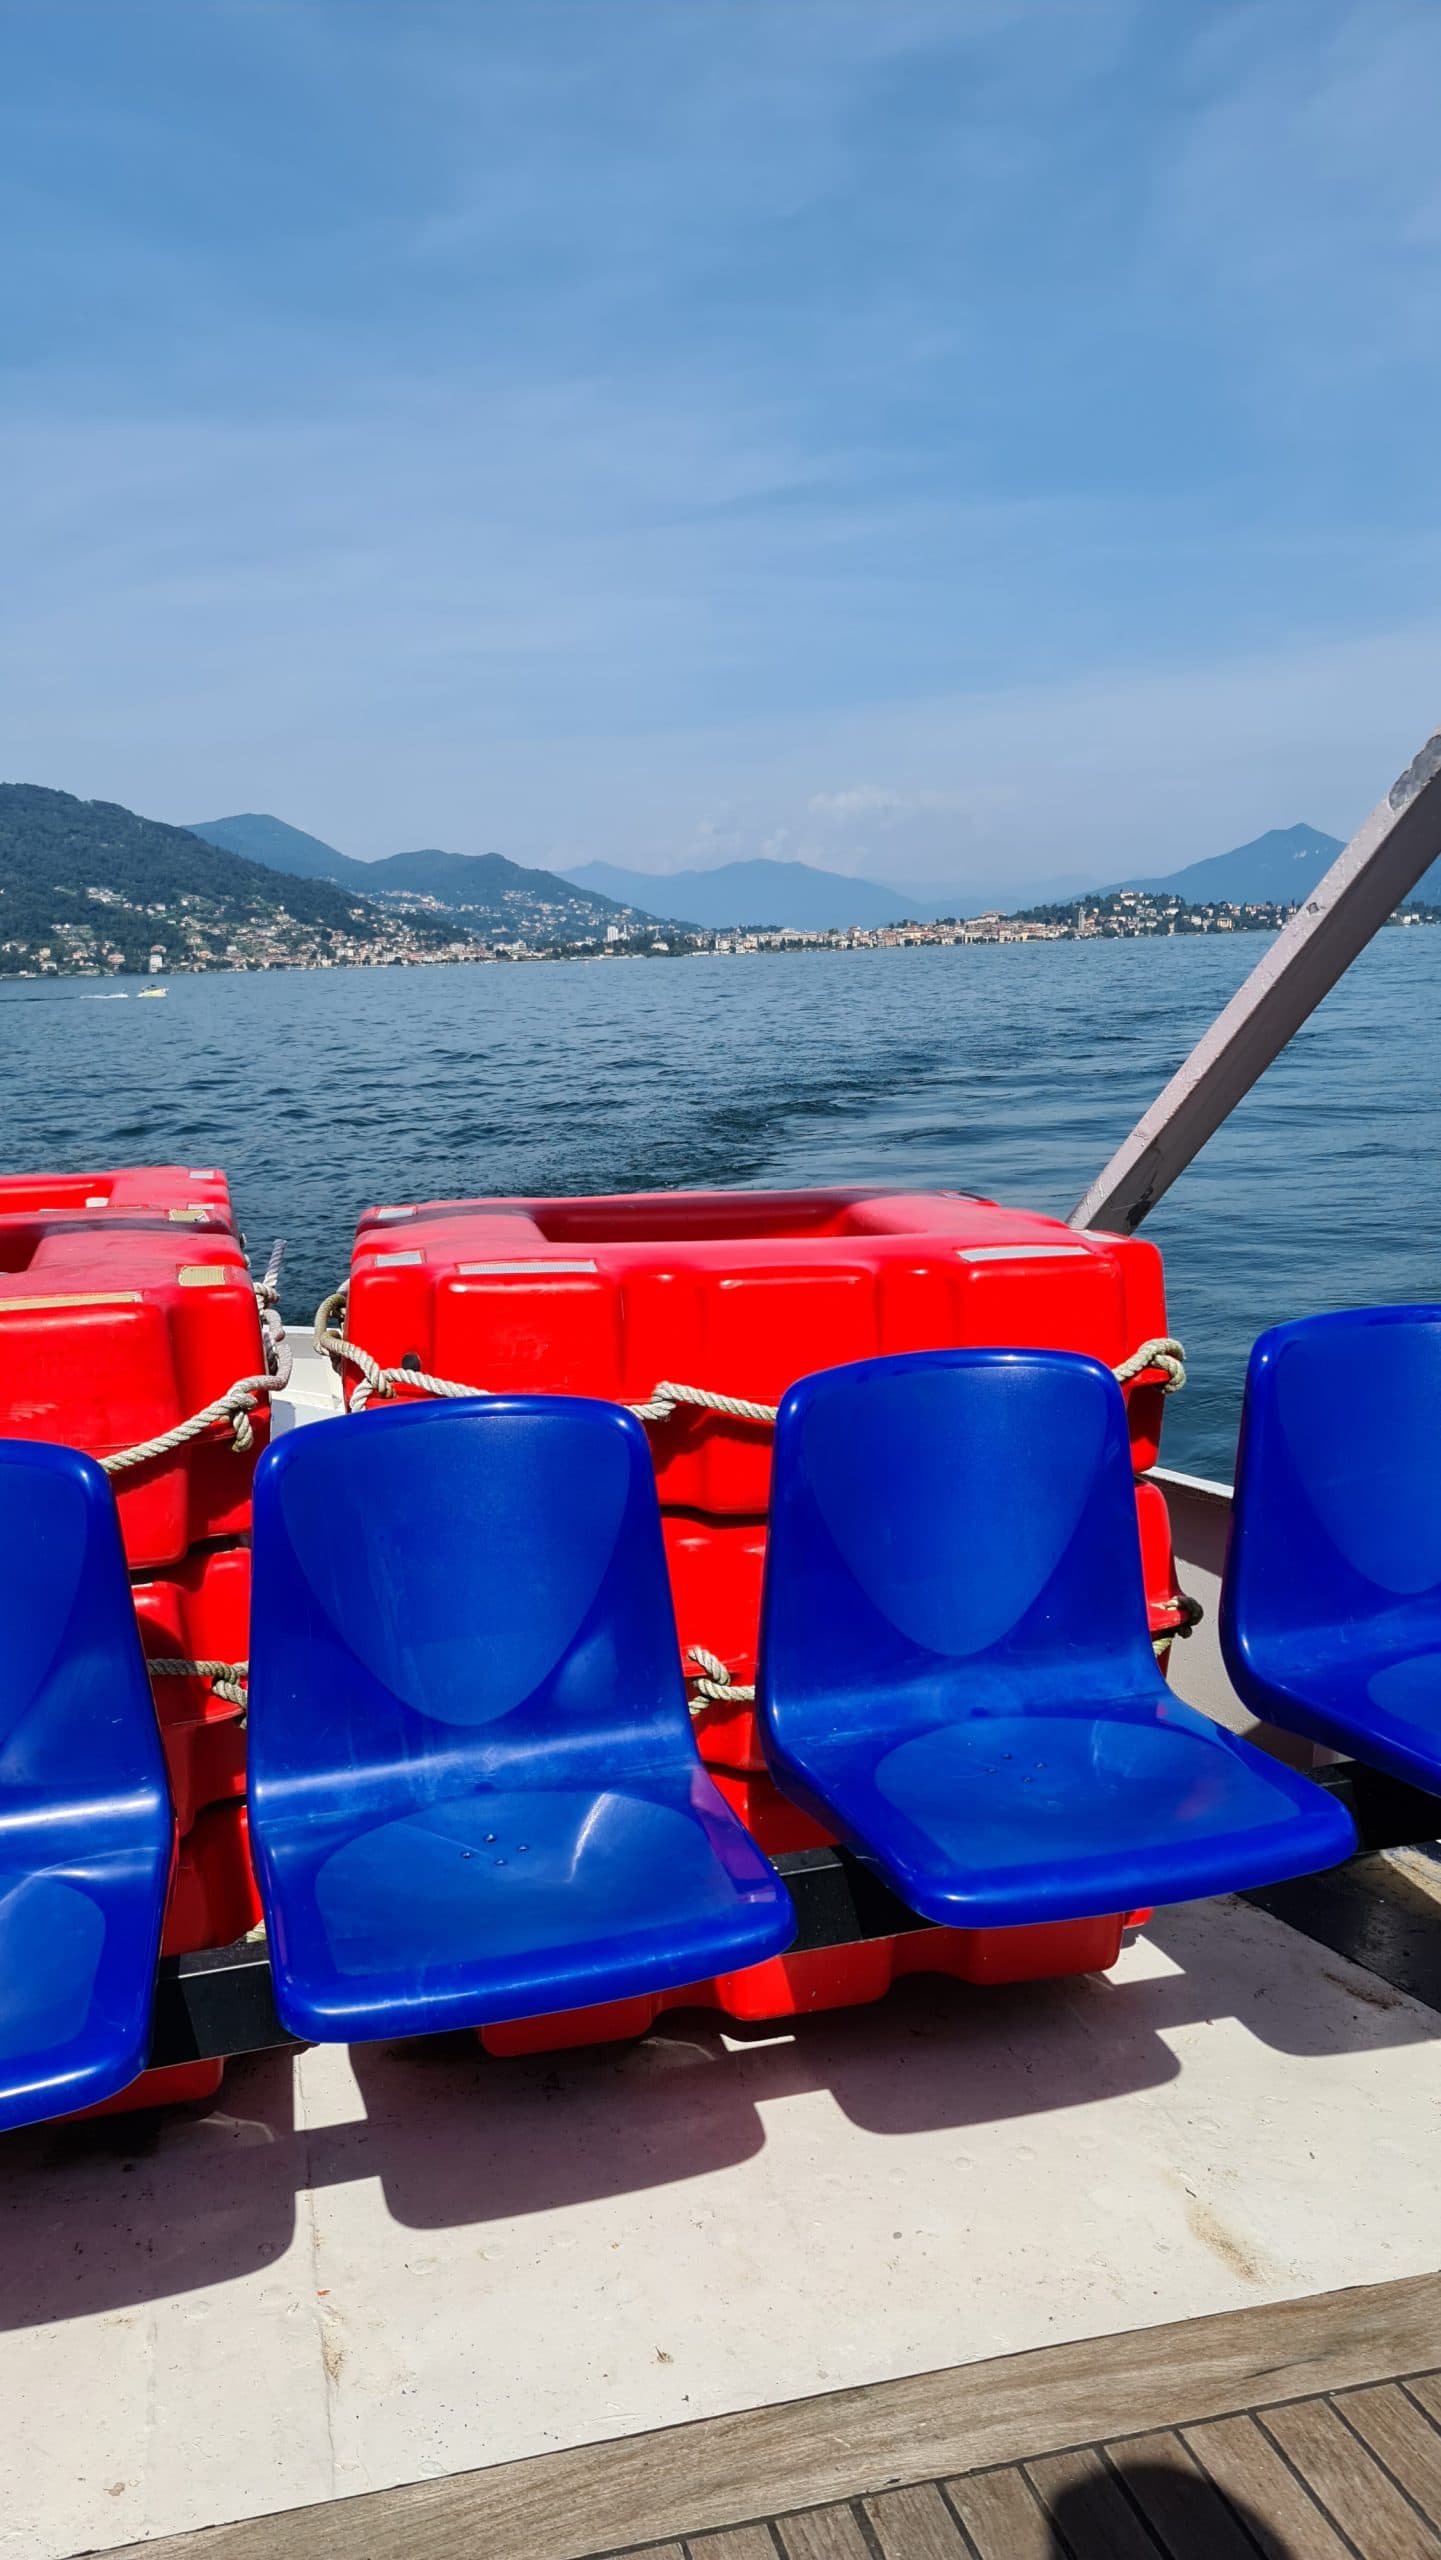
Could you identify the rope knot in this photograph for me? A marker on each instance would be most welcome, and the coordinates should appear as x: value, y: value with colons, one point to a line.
x: 713, y: 1683
x: 1162, y: 1352
x: 228, y: 1680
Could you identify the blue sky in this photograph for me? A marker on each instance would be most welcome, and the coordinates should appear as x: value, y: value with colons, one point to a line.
x: 949, y: 439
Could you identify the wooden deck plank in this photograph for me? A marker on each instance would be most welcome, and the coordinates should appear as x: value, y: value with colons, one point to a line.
x: 751, y: 2542
x: 1003, y: 2517
x: 1092, y: 2516
x: 1182, y: 2507
x: 1403, y: 2437
x: 826, y: 2533
x: 915, y: 2524
x: 1425, y: 2389
x: 1368, y: 2507
x: 1280, y: 2514
x: 683, y: 2481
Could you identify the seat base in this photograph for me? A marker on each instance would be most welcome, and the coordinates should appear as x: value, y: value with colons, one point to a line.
x: 78, y: 1950
x: 994, y: 1821
x: 492, y: 1906
x: 1387, y: 1715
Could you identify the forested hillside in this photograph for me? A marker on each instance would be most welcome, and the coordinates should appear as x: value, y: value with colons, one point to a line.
x: 88, y: 885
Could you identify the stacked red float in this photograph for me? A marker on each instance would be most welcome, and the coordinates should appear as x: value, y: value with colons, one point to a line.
x: 185, y: 1195
x: 127, y: 1306
x: 742, y: 1293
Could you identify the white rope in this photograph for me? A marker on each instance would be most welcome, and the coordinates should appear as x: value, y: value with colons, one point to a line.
x: 375, y: 1381
x: 235, y: 1407
x: 1163, y: 1352
x: 267, y: 1287
x: 713, y: 1680
x: 238, y: 1402
x: 227, y: 1679
x: 661, y: 1403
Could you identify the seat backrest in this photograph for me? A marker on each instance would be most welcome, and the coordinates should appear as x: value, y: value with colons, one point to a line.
x: 447, y: 1591
x: 78, y: 1730
x: 1337, y: 1513
x: 948, y: 1509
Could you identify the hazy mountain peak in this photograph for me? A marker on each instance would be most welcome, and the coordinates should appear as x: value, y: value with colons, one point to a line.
x: 491, y: 893
x: 757, y: 892
x: 1283, y: 864
x: 281, y: 847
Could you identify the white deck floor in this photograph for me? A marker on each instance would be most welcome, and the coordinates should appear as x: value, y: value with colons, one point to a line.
x: 354, y: 2271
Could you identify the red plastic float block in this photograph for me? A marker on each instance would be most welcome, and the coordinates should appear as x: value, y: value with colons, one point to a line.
x: 832, y: 1978
x: 183, y: 1195
x: 740, y: 1291
x: 213, y: 1901
x: 716, y: 1568
x: 110, y: 1334
x: 198, y: 1610
x: 213, y: 1896
x: 179, y: 2084
x: 1158, y: 1562
x: 774, y: 1823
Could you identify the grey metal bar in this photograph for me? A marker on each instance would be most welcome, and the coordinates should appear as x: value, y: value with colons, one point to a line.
x: 1384, y: 859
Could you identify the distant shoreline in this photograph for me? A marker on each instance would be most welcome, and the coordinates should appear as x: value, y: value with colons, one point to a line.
x: 763, y: 942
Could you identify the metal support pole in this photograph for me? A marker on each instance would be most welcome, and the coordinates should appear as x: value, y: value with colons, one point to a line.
x: 1384, y: 859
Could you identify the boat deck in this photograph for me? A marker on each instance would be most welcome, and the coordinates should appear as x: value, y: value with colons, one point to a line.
x: 407, y: 2301
x: 1303, y: 2431
x: 872, y: 2282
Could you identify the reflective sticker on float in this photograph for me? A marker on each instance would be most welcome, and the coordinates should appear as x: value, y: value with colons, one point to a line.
x: 1023, y: 1252
x: 522, y: 1270
x: 83, y: 1298
x: 388, y: 1261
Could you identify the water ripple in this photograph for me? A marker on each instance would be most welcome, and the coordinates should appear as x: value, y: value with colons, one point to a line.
x: 1009, y: 1071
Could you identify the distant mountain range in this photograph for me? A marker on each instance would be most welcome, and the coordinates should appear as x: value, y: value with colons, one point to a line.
x: 282, y: 848
x: 490, y: 891
x: 1280, y: 866
x: 750, y: 893
x: 1283, y: 866
x: 158, y: 885
x: 802, y: 895
x: 492, y: 894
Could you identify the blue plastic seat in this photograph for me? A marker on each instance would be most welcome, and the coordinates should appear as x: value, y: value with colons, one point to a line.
x: 1331, y: 1606
x: 956, y: 1674
x: 87, y: 1835
x: 475, y: 1794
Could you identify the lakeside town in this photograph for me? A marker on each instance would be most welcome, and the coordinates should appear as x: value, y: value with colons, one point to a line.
x: 194, y: 942
x: 92, y: 889
x: 1116, y: 915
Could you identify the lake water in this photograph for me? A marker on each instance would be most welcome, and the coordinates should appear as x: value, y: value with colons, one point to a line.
x: 1010, y: 1070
